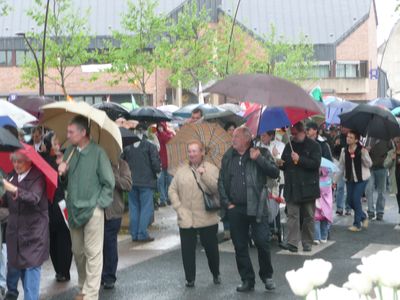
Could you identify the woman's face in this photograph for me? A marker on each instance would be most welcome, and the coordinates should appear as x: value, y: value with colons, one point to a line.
x: 21, y: 163
x: 195, y: 154
x: 351, y: 139
x: 230, y: 130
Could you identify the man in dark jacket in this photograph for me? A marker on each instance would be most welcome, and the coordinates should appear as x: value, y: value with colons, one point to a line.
x: 312, y: 133
x: 301, y: 169
x: 144, y: 162
x: 243, y: 175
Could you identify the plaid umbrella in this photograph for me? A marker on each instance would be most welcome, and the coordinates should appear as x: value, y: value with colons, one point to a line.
x: 215, y: 139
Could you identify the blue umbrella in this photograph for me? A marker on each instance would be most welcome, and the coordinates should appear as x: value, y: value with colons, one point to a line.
x: 396, y: 111
x: 389, y: 103
x: 335, y: 108
x: 6, y: 120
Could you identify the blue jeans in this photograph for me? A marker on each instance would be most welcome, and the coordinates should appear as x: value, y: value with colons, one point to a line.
x: 321, y: 230
x: 378, y: 180
x: 354, y: 193
x: 110, y: 250
x: 30, y: 281
x: 141, y: 209
x: 163, y: 185
x: 339, y: 195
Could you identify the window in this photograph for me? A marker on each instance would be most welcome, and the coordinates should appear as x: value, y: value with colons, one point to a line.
x: 352, y: 69
x: 5, y: 58
x: 321, y: 70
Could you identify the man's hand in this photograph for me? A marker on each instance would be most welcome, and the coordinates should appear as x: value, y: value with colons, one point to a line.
x: 280, y: 162
x: 62, y: 168
x: 43, y: 148
x: 230, y: 206
x: 295, y: 157
x: 275, y: 152
x: 254, y: 153
x: 9, y: 187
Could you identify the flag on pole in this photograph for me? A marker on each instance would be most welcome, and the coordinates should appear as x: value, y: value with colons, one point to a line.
x: 316, y: 93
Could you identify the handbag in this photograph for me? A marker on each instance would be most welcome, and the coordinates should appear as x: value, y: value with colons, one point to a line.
x: 211, y: 203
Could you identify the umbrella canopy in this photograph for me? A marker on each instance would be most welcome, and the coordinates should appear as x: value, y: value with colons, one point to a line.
x: 335, y: 108
x: 389, y: 103
x: 128, y: 137
x: 18, y: 115
x: 396, y: 111
x: 277, y: 117
x: 8, y: 142
x: 169, y: 108
x: 326, y: 163
x: 215, y: 139
x: 224, y: 117
x: 186, y: 111
x: 6, y: 120
x: 236, y: 108
x: 148, y: 114
x: 102, y: 130
x: 372, y: 121
x: 49, y: 173
x: 264, y: 89
x: 113, y: 110
x: 32, y: 104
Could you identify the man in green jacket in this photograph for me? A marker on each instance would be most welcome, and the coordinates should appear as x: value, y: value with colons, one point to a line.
x: 87, y: 171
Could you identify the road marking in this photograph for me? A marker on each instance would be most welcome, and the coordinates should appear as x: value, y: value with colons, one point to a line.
x: 314, y: 250
x: 164, y: 243
x: 372, y: 249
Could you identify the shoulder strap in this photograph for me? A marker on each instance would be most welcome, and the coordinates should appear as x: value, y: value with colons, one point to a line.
x: 198, y: 184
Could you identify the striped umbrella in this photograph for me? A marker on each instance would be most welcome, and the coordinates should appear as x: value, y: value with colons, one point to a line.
x: 215, y: 139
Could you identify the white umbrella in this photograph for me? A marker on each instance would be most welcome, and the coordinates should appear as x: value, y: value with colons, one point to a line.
x: 18, y: 115
x: 169, y: 108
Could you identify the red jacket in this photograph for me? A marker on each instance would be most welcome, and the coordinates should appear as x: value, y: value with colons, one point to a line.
x: 163, y: 138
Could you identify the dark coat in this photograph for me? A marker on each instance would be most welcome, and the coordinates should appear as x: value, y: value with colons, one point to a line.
x: 27, y: 232
x: 144, y: 163
x: 257, y: 172
x: 302, y: 179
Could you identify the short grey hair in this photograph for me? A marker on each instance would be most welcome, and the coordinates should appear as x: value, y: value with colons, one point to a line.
x: 15, y: 155
x: 246, y: 132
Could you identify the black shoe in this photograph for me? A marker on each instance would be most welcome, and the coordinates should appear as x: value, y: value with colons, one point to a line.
x: 348, y: 213
x: 307, y: 248
x: 162, y: 204
x: 62, y: 278
x: 269, y: 284
x: 292, y: 248
x: 149, y: 239
x: 217, y: 279
x: 371, y: 215
x: 168, y: 202
x: 108, y: 285
x: 189, y: 284
x: 379, y: 217
x: 10, y: 296
x: 246, y: 286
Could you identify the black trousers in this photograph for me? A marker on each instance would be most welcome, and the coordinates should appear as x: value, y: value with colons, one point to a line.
x: 241, y: 224
x: 110, y: 250
x: 60, y: 248
x: 208, y: 238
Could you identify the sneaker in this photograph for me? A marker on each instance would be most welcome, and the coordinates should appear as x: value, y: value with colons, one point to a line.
x: 339, y: 212
x: 348, y: 213
x: 371, y: 215
x: 364, y: 223
x: 323, y: 241
x: 108, y: 285
x: 354, y: 228
x: 162, y: 204
x: 379, y: 217
x: 397, y: 227
x: 316, y: 242
x: 269, y: 284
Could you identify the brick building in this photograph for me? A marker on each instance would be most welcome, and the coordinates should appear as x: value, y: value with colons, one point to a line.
x: 343, y: 33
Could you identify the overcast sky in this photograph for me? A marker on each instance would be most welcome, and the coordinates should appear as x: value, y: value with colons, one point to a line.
x: 386, y: 18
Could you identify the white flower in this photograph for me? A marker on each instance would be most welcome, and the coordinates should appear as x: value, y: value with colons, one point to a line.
x: 317, y: 271
x: 371, y: 267
x: 359, y: 282
x: 333, y: 292
x: 299, y: 282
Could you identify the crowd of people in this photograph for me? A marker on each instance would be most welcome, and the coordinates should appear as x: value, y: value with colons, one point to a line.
x: 310, y: 167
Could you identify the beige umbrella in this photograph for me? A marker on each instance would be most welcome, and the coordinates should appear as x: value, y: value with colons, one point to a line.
x: 103, y: 130
x: 215, y: 139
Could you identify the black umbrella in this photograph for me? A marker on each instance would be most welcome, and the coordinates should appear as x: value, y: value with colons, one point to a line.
x: 371, y: 121
x: 224, y: 117
x: 113, y: 110
x: 128, y: 137
x: 148, y: 114
x: 8, y: 142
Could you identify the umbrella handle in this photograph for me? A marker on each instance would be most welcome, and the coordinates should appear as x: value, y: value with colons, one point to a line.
x: 70, y: 155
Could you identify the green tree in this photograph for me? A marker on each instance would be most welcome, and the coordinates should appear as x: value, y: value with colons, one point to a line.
x: 4, y: 8
x: 140, y: 46
x: 277, y: 56
x: 192, y: 48
x: 67, y: 42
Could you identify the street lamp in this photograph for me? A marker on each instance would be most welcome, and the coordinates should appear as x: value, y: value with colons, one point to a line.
x: 39, y: 70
